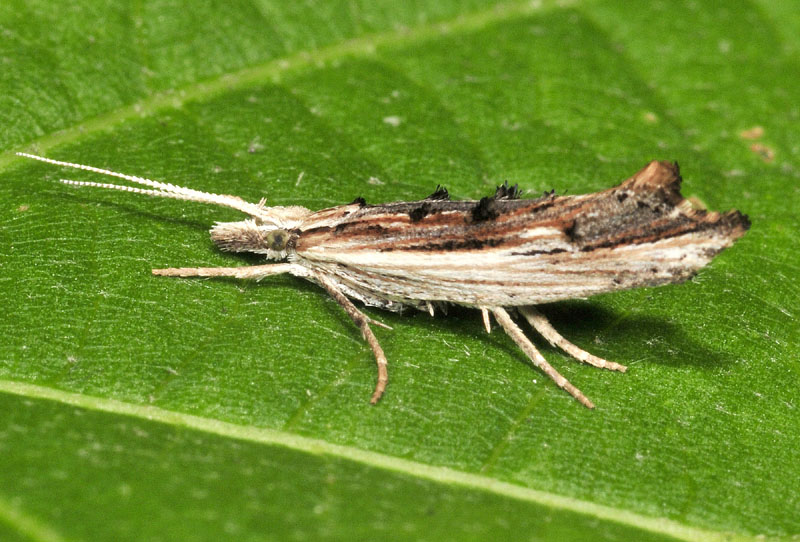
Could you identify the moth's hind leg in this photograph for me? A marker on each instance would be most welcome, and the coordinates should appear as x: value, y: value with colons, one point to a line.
x: 254, y: 272
x: 538, y: 360
x: 543, y: 326
x: 362, y: 321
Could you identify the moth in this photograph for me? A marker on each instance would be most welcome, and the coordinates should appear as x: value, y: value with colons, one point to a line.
x: 498, y: 254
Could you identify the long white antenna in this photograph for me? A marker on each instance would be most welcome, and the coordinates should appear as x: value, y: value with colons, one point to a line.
x: 164, y: 190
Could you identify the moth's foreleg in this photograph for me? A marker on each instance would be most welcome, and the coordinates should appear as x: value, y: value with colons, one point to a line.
x: 543, y: 326
x: 362, y: 321
x: 538, y: 360
x: 255, y: 272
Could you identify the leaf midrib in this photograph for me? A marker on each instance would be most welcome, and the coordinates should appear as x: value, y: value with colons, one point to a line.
x: 438, y: 474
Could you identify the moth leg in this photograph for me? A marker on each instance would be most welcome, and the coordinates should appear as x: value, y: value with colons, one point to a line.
x: 362, y: 321
x: 486, y: 323
x: 545, y: 328
x: 538, y: 360
x: 256, y: 272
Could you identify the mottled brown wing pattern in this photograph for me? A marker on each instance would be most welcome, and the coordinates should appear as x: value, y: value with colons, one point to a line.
x: 514, y: 252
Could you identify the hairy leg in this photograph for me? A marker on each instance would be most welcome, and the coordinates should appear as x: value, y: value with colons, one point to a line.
x: 255, y: 272
x: 538, y: 360
x: 362, y: 321
x: 546, y: 329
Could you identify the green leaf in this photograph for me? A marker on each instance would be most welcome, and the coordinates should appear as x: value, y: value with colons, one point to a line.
x: 137, y: 407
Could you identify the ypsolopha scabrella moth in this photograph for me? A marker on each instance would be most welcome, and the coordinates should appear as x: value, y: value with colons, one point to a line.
x: 498, y: 253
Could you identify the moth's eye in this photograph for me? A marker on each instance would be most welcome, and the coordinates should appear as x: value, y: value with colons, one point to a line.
x: 277, y: 239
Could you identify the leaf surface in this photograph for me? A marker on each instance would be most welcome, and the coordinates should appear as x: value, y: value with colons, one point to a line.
x: 137, y: 407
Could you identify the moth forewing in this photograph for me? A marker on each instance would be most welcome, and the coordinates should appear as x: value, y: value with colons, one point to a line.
x: 496, y: 253
x: 505, y: 252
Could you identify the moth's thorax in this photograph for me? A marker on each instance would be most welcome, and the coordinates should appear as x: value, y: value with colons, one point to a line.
x: 252, y: 236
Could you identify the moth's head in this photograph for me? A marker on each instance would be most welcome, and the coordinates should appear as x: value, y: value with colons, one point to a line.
x: 252, y: 236
x: 271, y: 232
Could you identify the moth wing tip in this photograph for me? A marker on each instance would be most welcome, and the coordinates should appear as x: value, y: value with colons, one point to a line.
x: 738, y: 222
x: 657, y: 173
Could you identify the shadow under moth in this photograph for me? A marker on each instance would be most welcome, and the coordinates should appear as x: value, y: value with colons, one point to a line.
x: 495, y: 254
